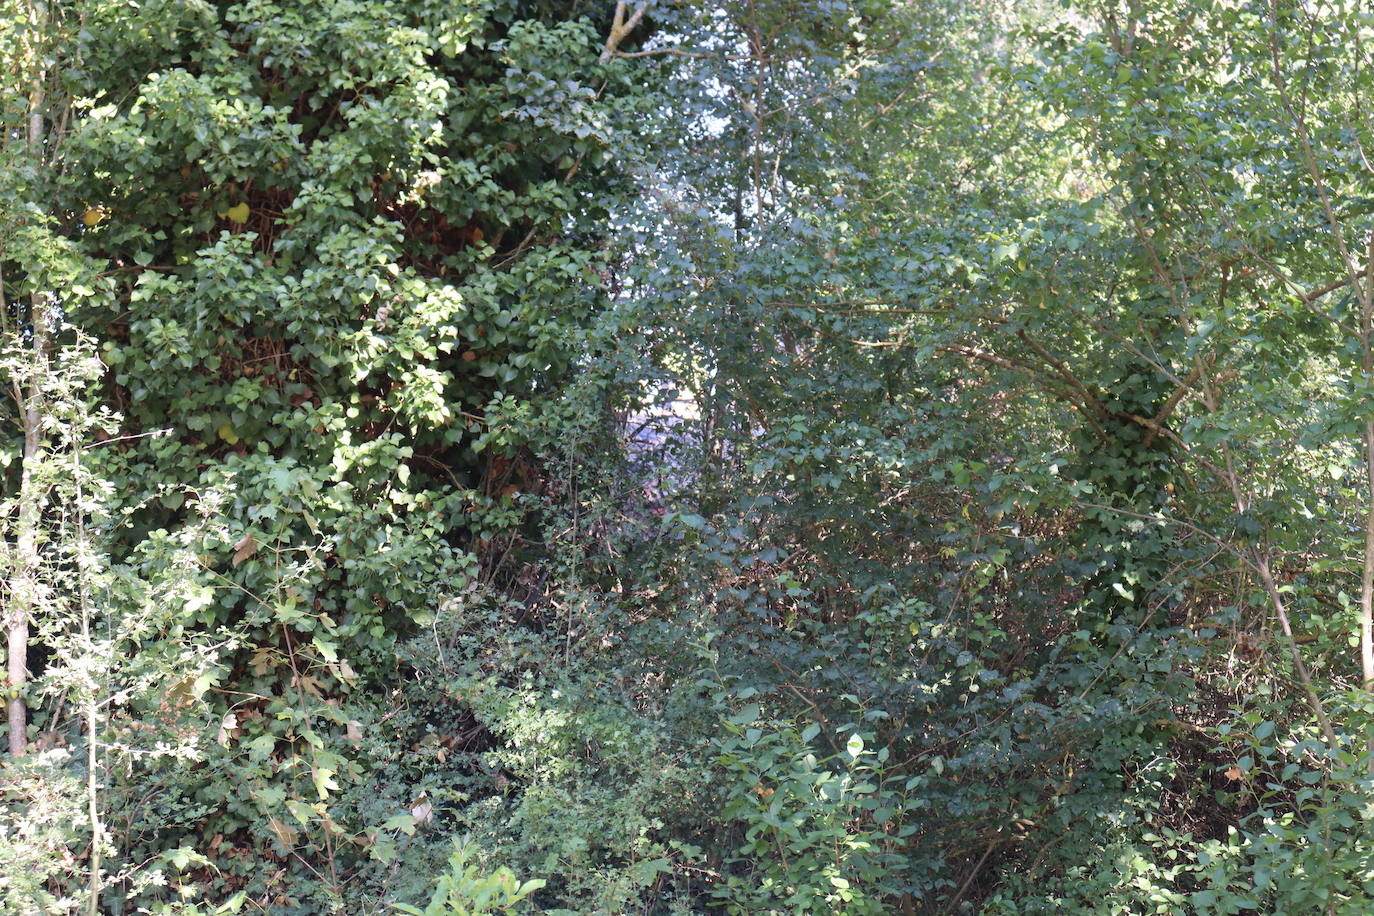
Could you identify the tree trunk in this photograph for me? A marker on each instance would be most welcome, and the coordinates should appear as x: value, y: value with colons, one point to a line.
x: 24, y: 581
x: 1367, y: 569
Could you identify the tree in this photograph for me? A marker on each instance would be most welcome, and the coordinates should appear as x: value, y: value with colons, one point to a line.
x: 27, y: 152
x: 801, y: 456
x: 339, y: 254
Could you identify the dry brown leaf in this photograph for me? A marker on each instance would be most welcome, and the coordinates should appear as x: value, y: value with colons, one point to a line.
x: 245, y: 548
x: 228, y: 729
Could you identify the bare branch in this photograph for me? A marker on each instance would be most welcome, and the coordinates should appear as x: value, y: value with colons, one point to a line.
x: 621, y: 27
x: 675, y: 52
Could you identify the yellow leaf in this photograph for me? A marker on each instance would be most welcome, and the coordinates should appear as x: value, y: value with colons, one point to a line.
x: 324, y: 781
x: 94, y: 215
x: 226, y: 432
x: 238, y: 213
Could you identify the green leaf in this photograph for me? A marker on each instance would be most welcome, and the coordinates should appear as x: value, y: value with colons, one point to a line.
x: 402, y: 822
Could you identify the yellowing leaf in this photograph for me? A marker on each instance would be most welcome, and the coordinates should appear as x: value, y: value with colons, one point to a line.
x: 238, y: 213
x: 94, y: 216
x: 323, y: 778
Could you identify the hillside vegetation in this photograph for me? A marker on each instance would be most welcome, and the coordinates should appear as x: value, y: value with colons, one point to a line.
x: 748, y: 457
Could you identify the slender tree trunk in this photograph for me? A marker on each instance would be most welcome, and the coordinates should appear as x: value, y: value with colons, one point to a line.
x: 24, y: 581
x: 1367, y: 570
x: 1271, y: 587
x: 18, y: 634
x: 1362, y: 285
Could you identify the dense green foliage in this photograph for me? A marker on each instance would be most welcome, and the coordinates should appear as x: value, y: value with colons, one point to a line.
x: 785, y: 457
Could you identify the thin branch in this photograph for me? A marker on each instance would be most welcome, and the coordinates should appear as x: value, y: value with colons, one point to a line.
x: 1062, y: 370
x: 1171, y: 403
x: 1068, y: 396
x: 674, y: 52
x: 1261, y: 566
